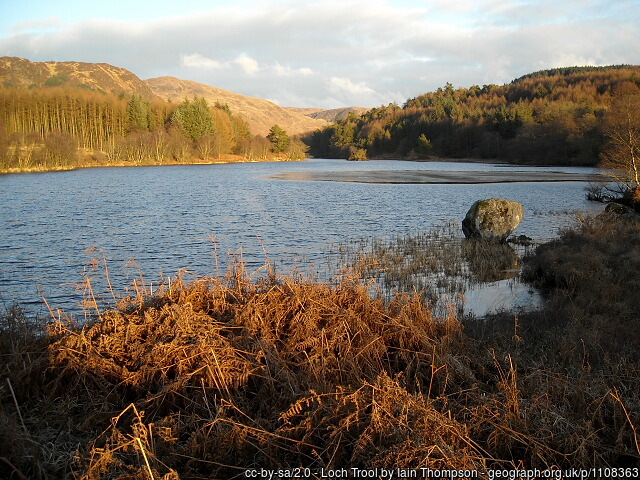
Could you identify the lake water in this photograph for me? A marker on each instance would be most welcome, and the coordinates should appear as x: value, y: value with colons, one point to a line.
x: 192, y: 217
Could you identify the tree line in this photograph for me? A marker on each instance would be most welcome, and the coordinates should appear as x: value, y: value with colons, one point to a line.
x: 57, y: 126
x: 551, y: 117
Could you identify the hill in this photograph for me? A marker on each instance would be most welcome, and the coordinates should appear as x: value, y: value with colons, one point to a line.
x: 260, y: 114
x: 59, y: 115
x: 331, y: 115
x: 18, y: 72
x: 552, y: 117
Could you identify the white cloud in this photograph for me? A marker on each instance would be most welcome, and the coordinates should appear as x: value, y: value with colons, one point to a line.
x: 287, y: 71
x: 248, y: 64
x: 195, y: 60
x: 344, y: 85
x: 38, y: 25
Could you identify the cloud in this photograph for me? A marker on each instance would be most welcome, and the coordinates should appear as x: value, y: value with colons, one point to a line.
x: 248, y: 64
x: 242, y: 62
x: 328, y: 53
x: 345, y: 85
x: 288, y: 71
x: 37, y: 25
x: 198, y: 61
x: 195, y: 60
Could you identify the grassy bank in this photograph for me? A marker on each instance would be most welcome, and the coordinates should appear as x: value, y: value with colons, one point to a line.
x: 210, y: 378
x: 226, y: 158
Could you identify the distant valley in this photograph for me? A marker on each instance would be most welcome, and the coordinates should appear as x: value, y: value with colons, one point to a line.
x: 331, y: 115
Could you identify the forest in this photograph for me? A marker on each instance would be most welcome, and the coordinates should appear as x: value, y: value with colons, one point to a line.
x: 550, y: 117
x: 553, y: 117
x: 55, y: 127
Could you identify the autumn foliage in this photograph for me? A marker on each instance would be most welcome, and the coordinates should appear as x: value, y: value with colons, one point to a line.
x: 549, y: 117
x: 57, y: 126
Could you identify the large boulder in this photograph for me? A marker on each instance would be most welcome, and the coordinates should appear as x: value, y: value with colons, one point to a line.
x: 492, y: 219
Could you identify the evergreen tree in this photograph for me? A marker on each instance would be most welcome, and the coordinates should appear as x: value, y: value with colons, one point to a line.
x: 279, y: 139
x: 138, y: 114
x: 194, y: 119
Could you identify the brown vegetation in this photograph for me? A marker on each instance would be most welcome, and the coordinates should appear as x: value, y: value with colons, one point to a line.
x: 208, y: 378
x: 554, y: 117
x: 331, y: 115
x: 592, y: 276
x: 21, y: 73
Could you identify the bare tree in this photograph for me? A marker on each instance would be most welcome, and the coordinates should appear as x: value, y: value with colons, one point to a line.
x: 621, y: 154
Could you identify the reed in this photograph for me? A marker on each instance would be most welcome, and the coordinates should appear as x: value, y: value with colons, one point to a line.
x: 439, y: 263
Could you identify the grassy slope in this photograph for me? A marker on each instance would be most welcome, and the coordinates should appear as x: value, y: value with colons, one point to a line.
x: 260, y: 114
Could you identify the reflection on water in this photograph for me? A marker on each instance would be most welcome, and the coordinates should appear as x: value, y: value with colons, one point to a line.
x: 165, y: 218
x: 495, y: 267
x: 491, y: 261
x: 475, y: 277
x: 503, y: 295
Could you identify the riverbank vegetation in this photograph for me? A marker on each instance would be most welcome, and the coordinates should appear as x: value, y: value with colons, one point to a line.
x: 560, y: 116
x: 56, y: 127
x: 208, y: 378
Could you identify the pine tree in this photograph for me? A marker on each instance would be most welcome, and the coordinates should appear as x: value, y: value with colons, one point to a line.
x: 138, y: 114
x: 279, y: 139
x: 194, y: 119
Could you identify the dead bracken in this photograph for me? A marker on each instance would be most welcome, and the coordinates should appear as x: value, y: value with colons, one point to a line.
x: 210, y: 378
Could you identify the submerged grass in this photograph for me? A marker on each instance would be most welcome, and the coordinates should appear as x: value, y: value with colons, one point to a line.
x: 437, y: 264
x: 205, y: 379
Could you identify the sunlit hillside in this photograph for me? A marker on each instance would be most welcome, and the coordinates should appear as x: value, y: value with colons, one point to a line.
x: 260, y: 114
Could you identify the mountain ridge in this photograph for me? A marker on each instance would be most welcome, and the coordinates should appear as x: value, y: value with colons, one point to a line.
x: 20, y: 72
x: 259, y: 113
x: 330, y: 115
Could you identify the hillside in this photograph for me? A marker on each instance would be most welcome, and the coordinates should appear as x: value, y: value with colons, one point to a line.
x: 18, y: 72
x: 552, y: 117
x: 260, y: 114
x: 331, y: 115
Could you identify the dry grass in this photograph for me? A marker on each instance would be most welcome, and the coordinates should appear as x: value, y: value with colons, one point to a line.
x: 208, y: 378
x: 592, y: 275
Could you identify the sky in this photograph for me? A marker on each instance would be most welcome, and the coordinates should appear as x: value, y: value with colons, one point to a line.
x: 326, y: 53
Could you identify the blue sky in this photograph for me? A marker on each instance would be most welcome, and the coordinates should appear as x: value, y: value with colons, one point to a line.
x: 326, y: 53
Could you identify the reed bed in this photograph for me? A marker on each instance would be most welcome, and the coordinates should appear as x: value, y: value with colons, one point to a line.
x: 438, y: 264
x: 209, y: 378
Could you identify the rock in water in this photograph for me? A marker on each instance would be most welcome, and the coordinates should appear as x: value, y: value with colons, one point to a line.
x: 492, y: 219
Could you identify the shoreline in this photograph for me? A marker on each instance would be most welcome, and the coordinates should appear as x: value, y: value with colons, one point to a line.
x: 226, y: 159
x: 230, y: 158
x: 194, y: 365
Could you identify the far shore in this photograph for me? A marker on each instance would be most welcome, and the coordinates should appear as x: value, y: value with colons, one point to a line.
x: 224, y: 159
x: 427, y: 177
